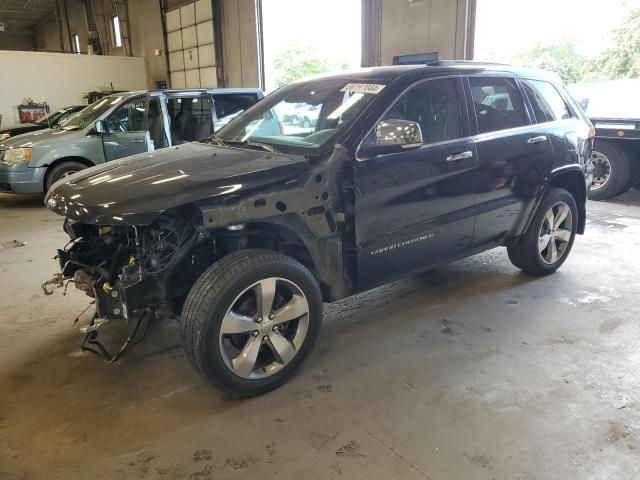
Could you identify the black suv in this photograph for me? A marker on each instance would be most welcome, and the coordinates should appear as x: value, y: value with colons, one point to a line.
x: 244, y: 236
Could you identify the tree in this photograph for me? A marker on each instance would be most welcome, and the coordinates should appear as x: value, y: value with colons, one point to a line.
x: 622, y: 60
x: 296, y: 63
x: 560, y: 57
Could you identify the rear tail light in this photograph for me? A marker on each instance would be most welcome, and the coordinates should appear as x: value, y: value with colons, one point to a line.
x: 281, y: 127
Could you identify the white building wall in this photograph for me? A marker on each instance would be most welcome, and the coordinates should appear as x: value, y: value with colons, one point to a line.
x: 62, y: 79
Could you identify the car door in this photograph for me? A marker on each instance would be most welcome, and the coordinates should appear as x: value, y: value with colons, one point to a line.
x: 126, y: 130
x: 513, y: 156
x: 414, y: 209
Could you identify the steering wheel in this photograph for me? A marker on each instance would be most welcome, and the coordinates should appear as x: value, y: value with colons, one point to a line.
x: 116, y: 126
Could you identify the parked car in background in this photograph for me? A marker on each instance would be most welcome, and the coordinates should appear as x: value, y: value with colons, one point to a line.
x: 614, y: 109
x: 114, y: 127
x: 50, y: 121
x: 243, y: 237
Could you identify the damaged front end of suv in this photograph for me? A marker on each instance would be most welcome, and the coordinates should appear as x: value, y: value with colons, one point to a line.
x: 138, y: 256
x: 130, y: 272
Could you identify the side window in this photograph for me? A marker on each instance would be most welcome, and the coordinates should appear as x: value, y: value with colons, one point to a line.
x: 229, y: 106
x: 435, y: 106
x: 498, y: 103
x: 129, y: 117
x: 548, y: 104
x: 190, y: 118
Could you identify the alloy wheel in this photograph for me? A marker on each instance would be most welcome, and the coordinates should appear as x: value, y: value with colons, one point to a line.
x: 601, y: 170
x: 555, y: 233
x: 264, y: 328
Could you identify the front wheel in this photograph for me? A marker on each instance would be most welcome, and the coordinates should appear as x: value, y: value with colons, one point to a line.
x: 548, y: 240
x: 61, y: 171
x: 251, y: 320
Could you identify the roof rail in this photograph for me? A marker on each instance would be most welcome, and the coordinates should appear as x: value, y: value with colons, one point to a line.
x: 447, y: 63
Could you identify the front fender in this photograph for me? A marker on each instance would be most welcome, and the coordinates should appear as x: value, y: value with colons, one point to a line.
x: 89, y: 148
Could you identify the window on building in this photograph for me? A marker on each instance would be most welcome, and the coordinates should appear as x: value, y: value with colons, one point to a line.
x: 76, y: 43
x: 117, y: 34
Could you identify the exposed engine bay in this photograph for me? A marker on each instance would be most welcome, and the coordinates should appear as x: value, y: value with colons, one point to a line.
x: 130, y: 272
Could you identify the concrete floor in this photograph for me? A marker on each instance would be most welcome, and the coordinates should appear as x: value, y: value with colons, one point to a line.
x: 473, y: 371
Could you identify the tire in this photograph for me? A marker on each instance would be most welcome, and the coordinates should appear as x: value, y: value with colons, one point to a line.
x: 225, y: 299
x: 526, y: 253
x: 306, y: 123
x: 618, y: 179
x: 62, y: 170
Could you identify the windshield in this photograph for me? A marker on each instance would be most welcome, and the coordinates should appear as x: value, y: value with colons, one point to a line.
x: 609, y: 99
x: 51, y: 119
x: 301, y: 116
x: 88, y: 115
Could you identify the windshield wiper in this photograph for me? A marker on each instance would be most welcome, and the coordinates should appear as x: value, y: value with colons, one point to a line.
x: 247, y: 143
x: 217, y: 140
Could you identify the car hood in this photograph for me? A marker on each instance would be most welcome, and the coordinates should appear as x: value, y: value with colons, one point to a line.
x: 45, y: 138
x: 137, y: 189
x: 17, y: 126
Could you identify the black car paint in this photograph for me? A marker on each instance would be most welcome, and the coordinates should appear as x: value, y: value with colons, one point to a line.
x: 136, y: 190
x: 380, y: 218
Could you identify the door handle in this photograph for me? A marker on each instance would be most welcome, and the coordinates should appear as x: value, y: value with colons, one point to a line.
x: 541, y: 138
x: 141, y: 140
x: 459, y: 156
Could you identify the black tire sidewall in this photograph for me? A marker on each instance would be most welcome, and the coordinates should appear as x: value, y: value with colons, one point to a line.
x: 57, y: 171
x: 620, y: 177
x: 553, y: 196
x: 211, y: 357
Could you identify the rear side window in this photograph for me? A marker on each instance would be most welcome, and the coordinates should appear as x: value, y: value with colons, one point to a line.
x: 498, y: 103
x: 548, y: 105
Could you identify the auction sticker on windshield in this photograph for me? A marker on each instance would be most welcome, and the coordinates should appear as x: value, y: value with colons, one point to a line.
x: 372, y: 88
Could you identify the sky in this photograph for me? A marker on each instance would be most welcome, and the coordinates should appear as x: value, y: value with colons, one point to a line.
x: 499, y: 35
x: 331, y: 27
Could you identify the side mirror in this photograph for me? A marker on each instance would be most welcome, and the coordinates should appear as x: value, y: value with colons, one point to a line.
x: 392, y: 136
x: 99, y: 127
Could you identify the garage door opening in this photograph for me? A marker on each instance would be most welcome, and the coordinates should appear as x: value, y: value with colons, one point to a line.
x: 302, y: 38
x: 582, y: 41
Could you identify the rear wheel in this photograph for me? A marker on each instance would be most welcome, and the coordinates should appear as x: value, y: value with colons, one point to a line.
x: 251, y: 320
x: 611, y: 172
x: 548, y: 240
x: 61, y: 171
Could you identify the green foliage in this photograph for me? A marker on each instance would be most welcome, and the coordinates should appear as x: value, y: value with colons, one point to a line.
x: 560, y: 57
x: 622, y: 60
x: 296, y: 63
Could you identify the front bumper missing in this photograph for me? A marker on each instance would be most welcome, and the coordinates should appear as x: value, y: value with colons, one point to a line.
x: 109, y: 305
